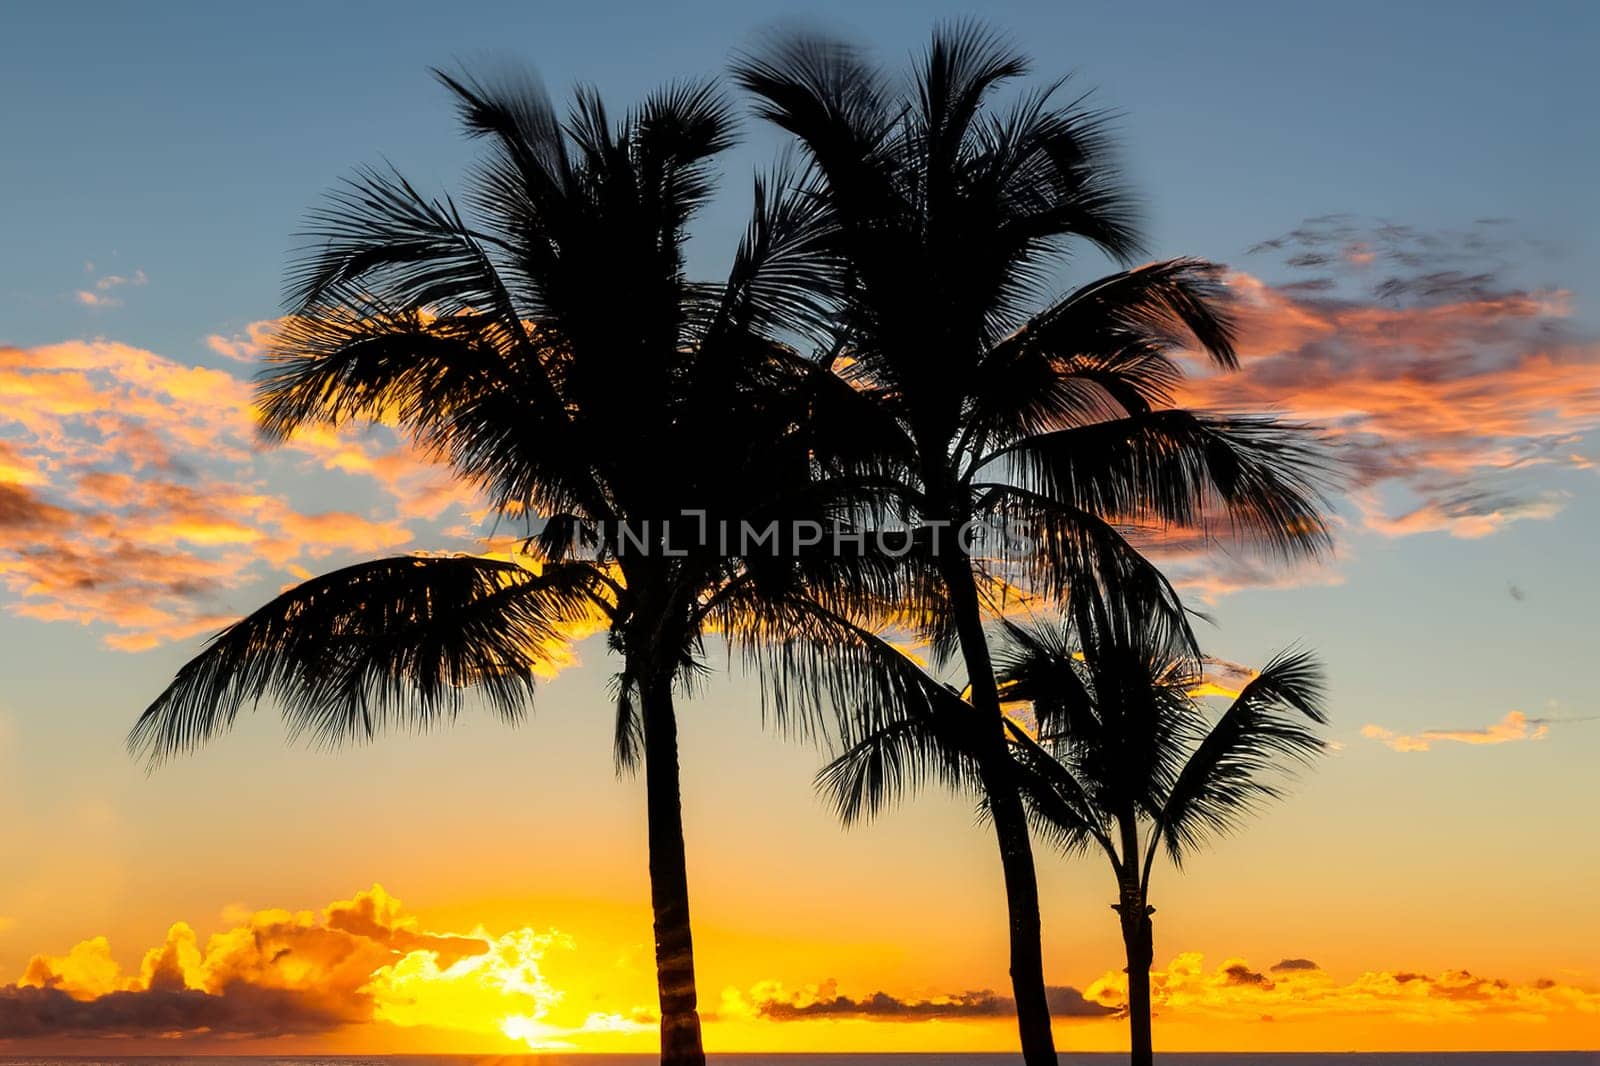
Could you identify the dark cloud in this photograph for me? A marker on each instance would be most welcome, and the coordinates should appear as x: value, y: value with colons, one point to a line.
x: 1329, y: 239
x: 1290, y: 965
x: 1240, y: 974
x: 1065, y: 1002
x: 23, y: 510
x: 1068, y: 1002
x: 240, y: 1009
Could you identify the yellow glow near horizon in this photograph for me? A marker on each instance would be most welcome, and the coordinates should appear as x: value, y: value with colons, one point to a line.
x: 365, y: 976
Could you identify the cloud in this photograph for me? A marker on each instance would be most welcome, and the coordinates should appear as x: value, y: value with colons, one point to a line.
x: 280, y: 973
x: 1211, y: 565
x: 33, y: 1013
x: 1442, y: 383
x: 1298, y: 989
x: 1294, y: 965
x: 771, y: 1001
x: 1513, y: 727
x: 246, y: 346
x: 100, y: 295
x: 1237, y: 973
x: 134, y: 494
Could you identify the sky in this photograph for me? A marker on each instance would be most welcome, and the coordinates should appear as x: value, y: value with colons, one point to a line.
x: 1403, y: 195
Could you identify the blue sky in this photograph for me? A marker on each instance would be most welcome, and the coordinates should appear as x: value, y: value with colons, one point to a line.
x: 190, y: 139
x: 177, y: 146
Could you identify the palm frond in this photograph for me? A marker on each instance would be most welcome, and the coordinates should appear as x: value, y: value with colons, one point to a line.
x: 815, y: 663
x: 466, y: 393
x: 1039, y: 664
x: 1059, y: 805
x: 1049, y: 171
x: 1179, y: 468
x: 378, y: 242
x: 1049, y: 547
x: 1157, y: 307
x: 1262, y: 735
x: 826, y: 93
x: 627, y: 743
x: 783, y: 275
x: 964, y: 62
x: 393, y: 642
x: 891, y: 762
x: 675, y: 133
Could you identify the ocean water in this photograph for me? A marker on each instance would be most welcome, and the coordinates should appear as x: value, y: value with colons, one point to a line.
x: 1378, y: 1058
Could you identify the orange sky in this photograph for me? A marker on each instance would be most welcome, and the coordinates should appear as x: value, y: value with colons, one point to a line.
x: 1427, y: 886
x: 365, y: 975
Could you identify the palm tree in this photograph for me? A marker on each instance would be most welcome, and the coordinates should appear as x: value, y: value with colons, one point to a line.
x: 548, y: 346
x: 1127, y: 761
x: 968, y: 403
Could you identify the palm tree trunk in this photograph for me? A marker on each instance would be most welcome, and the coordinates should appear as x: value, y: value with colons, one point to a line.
x: 1139, y: 941
x: 669, y: 880
x: 1026, y: 937
x: 1010, y: 821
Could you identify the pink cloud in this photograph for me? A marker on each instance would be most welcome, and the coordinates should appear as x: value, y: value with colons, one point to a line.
x: 135, y: 496
x: 1443, y: 385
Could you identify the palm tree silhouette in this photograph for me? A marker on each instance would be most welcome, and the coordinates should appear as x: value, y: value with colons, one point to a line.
x: 947, y: 214
x: 1127, y: 761
x: 547, y: 345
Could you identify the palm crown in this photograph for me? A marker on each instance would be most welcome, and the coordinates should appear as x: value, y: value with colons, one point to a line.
x: 971, y: 401
x: 971, y: 405
x: 551, y: 350
x: 1125, y: 759
x: 548, y: 346
x: 1123, y: 737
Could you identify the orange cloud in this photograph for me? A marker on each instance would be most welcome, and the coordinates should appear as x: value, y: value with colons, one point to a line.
x: 278, y: 973
x: 134, y: 495
x: 1441, y: 383
x: 246, y: 346
x: 364, y: 973
x: 1297, y: 990
x: 1513, y: 727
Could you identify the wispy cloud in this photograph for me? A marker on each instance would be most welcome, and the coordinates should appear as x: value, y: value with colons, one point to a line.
x: 1447, y: 393
x: 1515, y: 726
x: 1441, y: 382
x: 103, y: 292
x: 134, y: 494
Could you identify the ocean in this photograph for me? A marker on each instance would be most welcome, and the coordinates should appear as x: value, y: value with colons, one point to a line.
x: 1378, y: 1058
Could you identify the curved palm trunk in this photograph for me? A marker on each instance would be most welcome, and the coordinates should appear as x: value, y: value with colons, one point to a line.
x: 669, y: 880
x: 1010, y: 824
x: 1139, y: 942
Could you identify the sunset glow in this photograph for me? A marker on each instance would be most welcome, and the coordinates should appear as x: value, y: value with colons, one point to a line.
x: 335, y: 351
x: 364, y: 972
